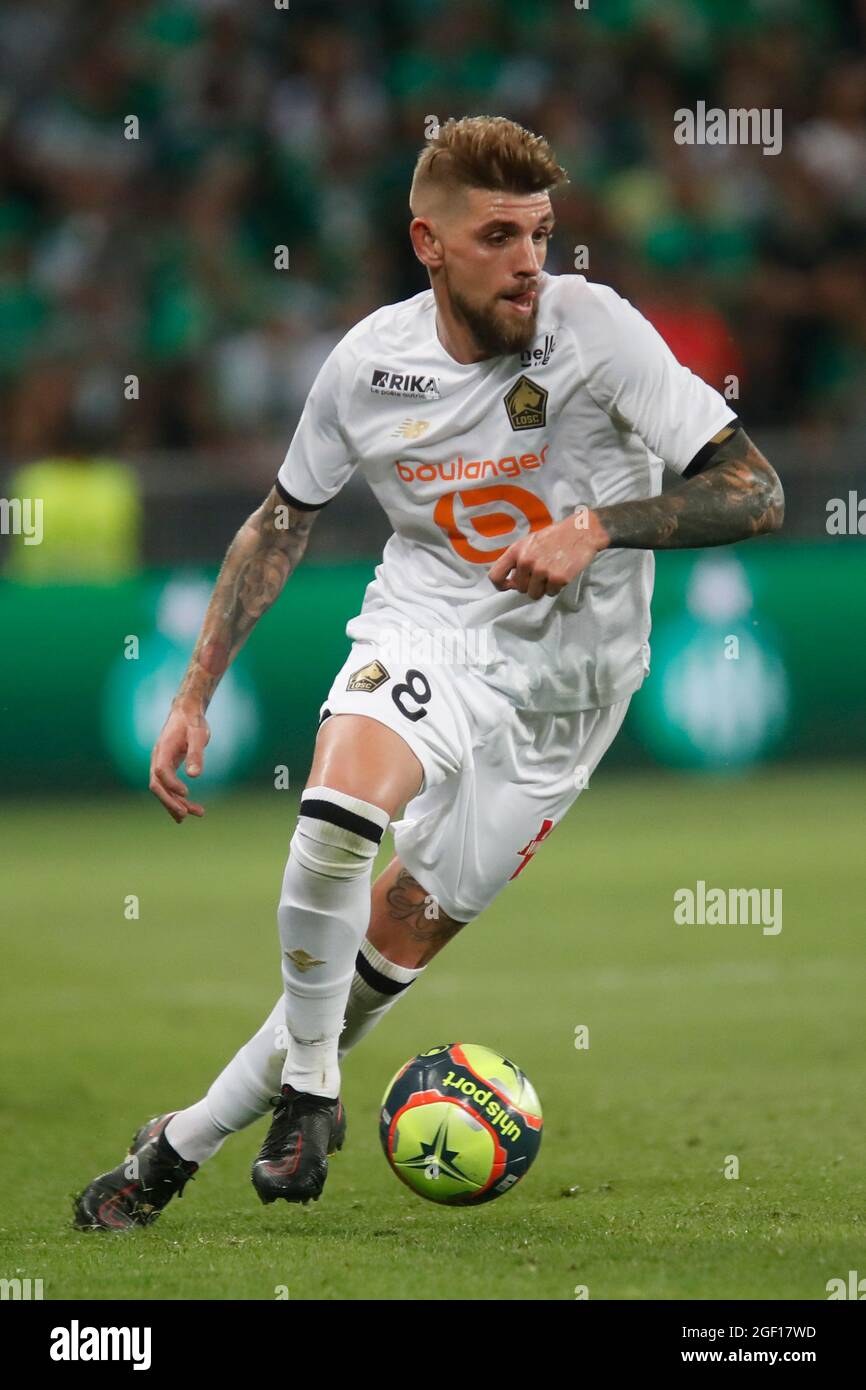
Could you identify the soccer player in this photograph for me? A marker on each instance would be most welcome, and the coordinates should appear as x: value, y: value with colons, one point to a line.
x: 514, y: 426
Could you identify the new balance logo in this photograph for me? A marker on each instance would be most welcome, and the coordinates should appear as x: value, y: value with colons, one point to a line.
x: 411, y: 429
x: 408, y: 385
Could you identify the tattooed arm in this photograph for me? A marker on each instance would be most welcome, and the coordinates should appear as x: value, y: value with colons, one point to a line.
x: 735, y: 496
x: 738, y: 495
x: 263, y: 554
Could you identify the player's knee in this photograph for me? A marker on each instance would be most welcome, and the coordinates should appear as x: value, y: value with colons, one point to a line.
x: 337, y: 835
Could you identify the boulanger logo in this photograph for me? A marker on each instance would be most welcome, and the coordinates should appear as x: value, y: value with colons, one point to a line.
x: 490, y: 524
x: 407, y: 385
x: 526, y: 405
x: 459, y: 469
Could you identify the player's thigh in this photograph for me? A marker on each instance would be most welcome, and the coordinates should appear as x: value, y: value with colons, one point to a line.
x: 406, y: 924
x: 387, y: 730
x: 364, y: 758
x: 481, y: 831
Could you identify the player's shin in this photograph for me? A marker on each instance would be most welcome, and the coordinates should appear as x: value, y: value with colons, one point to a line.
x: 246, y: 1086
x: 240, y: 1094
x: 323, y: 915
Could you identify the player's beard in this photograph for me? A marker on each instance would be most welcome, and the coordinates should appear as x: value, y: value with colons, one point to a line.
x: 490, y: 331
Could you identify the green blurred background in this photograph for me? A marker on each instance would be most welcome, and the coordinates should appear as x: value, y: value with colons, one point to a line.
x: 155, y: 351
x: 755, y: 659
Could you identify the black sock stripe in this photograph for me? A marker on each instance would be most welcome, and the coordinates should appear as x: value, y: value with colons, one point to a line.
x: 338, y: 815
x: 376, y: 980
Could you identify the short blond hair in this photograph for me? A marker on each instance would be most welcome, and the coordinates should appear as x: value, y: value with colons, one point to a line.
x: 485, y: 152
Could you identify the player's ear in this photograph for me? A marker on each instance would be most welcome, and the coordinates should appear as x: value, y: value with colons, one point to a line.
x: 425, y: 243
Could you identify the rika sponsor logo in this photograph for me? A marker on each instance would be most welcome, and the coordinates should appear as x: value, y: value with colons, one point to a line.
x: 526, y: 405
x: 539, y: 356
x: 415, y: 386
x: 497, y: 1114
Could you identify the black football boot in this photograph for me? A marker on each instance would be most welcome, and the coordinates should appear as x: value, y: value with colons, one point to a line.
x: 293, y: 1161
x: 135, y: 1192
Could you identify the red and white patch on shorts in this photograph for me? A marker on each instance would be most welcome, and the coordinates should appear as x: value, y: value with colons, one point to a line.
x: 529, y: 849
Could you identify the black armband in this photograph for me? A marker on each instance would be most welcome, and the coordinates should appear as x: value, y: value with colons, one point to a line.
x: 294, y: 501
x: 704, y: 457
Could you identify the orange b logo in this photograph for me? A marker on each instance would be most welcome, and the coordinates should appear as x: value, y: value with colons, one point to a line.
x: 491, y: 523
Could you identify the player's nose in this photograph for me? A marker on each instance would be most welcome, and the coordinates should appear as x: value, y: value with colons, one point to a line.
x: 529, y: 260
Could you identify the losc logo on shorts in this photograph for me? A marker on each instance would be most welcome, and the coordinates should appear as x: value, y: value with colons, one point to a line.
x: 368, y: 677
x: 526, y: 404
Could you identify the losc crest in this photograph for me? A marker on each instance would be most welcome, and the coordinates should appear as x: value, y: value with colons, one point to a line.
x: 526, y: 405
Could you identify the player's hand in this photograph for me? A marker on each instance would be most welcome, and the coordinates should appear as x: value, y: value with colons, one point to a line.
x: 545, y: 561
x: 184, y: 737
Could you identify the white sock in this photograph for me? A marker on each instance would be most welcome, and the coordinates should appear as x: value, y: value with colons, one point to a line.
x: 240, y: 1094
x: 194, y: 1133
x: 243, y: 1090
x: 323, y: 914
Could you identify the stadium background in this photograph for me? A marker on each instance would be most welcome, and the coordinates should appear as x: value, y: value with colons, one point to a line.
x: 153, y: 362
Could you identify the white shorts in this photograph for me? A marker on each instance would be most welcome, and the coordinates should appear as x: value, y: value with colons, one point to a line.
x: 497, y: 779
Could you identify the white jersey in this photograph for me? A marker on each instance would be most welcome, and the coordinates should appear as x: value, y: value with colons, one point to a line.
x: 467, y: 459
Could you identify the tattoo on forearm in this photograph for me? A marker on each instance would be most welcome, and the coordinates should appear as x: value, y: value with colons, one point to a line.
x: 407, y: 902
x: 737, y: 496
x: 263, y: 554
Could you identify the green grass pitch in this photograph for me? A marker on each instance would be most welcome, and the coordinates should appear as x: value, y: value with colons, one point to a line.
x: 704, y: 1042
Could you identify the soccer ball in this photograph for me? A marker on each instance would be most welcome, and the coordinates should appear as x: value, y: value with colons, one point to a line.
x: 460, y: 1124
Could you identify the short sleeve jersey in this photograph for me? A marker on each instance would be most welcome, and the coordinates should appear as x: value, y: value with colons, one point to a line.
x: 466, y: 459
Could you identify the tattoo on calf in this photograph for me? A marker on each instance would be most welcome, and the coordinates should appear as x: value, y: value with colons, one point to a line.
x: 408, y: 901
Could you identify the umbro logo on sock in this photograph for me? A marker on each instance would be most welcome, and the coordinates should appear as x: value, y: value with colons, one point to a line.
x: 302, y: 960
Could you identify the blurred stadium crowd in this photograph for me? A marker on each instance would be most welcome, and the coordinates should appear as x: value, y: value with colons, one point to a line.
x: 261, y: 125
